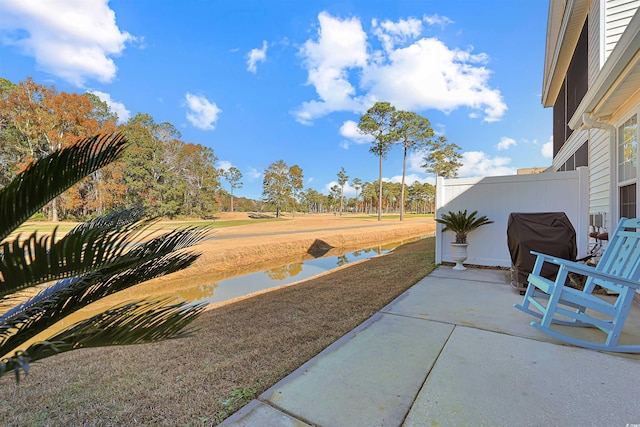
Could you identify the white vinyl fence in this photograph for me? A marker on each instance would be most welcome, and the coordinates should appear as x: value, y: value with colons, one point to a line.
x: 497, y: 197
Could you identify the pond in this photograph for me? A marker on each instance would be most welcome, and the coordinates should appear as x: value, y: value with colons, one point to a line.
x: 247, y: 284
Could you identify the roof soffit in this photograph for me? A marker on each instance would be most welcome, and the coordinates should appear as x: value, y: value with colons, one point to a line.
x: 562, y: 37
x: 617, y: 82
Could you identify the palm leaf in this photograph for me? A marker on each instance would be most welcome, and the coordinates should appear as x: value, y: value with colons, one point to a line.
x: 32, y: 261
x: 89, y: 246
x: 92, y: 261
x: 67, y: 296
x: 49, y: 177
x: 132, y: 323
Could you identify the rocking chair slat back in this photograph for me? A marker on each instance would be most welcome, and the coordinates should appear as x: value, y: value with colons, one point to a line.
x: 622, y: 255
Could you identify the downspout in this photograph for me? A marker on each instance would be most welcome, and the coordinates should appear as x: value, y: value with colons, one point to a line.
x: 613, y: 187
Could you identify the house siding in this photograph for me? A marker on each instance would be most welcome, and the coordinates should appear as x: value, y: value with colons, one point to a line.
x: 596, y: 57
x: 599, y: 173
x: 618, y: 13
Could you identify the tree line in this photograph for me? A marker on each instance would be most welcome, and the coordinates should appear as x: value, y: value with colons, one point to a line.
x: 387, y: 128
x: 158, y: 171
x: 172, y: 178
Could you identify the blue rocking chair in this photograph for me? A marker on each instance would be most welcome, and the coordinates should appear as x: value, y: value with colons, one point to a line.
x: 618, y: 272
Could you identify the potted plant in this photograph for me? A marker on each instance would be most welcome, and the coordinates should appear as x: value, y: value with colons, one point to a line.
x: 461, y: 223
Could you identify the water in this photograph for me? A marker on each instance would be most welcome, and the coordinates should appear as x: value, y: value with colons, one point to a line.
x: 239, y: 286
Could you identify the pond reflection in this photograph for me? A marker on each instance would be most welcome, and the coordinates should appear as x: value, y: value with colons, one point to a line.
x: 239, y: 286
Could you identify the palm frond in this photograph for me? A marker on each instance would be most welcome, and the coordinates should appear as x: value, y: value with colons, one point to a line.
x: 116, y: 219
x: 132, y: 323
x: 67, y: 296
x: 94, y: 260
x: 44, y: 180
x: 35, y: 260
x: 462, y: 223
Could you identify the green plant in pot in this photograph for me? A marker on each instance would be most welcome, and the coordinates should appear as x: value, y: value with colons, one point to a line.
x: 462, y: 224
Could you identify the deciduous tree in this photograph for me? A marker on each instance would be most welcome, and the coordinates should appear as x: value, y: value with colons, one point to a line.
x: 275, y: 184
x: 296, y: 183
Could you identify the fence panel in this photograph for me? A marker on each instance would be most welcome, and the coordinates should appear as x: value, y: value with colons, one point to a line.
x: 498, y: 196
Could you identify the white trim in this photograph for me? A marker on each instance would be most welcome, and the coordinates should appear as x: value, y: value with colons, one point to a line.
x: 614, y: 174
x: 603, y: 21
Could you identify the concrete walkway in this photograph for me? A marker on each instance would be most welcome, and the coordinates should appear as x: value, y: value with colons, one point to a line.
x: 452, y: 351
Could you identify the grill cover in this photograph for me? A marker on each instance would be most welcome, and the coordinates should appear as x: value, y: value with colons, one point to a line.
x: 549, y: 233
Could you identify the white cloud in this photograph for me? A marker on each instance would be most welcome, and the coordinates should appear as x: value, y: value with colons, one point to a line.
x: 409, y: 179
x: 414, y: 161
x: 349, y: 191
x: 505, y: 143
x: 71, y: 39
x: 411, y: 73
x: 427, y: 74
x: 256, y: 55
x: 392, y: 33
x: 479, y: 164
x: 253, y: 174
x: 349, y: 129
x: 203, y: 114
x: 116, y: 107
x: 435, y: 19
x: 224, y: 165
x: 547, y: 149
x: 340, y: 45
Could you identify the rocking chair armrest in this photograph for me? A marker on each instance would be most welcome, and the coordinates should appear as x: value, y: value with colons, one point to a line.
x: 586, y: 270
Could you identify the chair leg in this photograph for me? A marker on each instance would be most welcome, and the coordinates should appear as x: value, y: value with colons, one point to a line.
x: 528, y: 297
x: 623, y: 305
x: 554, y: 298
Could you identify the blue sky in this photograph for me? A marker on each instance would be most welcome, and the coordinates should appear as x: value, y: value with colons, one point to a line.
x: 260, y: 81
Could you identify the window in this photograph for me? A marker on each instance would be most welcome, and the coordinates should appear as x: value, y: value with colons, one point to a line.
x: 628, y: 201
x: 628, y: 167
x: 577, y: 159
x: 574, y: 87
x: 628, y: 150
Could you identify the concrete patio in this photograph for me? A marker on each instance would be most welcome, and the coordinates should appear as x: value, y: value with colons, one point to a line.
x: 452, y: 350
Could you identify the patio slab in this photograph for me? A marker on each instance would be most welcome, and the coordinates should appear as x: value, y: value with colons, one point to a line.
x: 452, y: 350
x: 484, y: 299
x: 371, y: 377
x: 490, y: 379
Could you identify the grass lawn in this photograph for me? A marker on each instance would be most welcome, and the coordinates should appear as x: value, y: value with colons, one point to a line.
x: 235, y: 352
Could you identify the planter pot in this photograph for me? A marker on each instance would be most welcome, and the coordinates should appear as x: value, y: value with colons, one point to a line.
x: 459, y: 255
